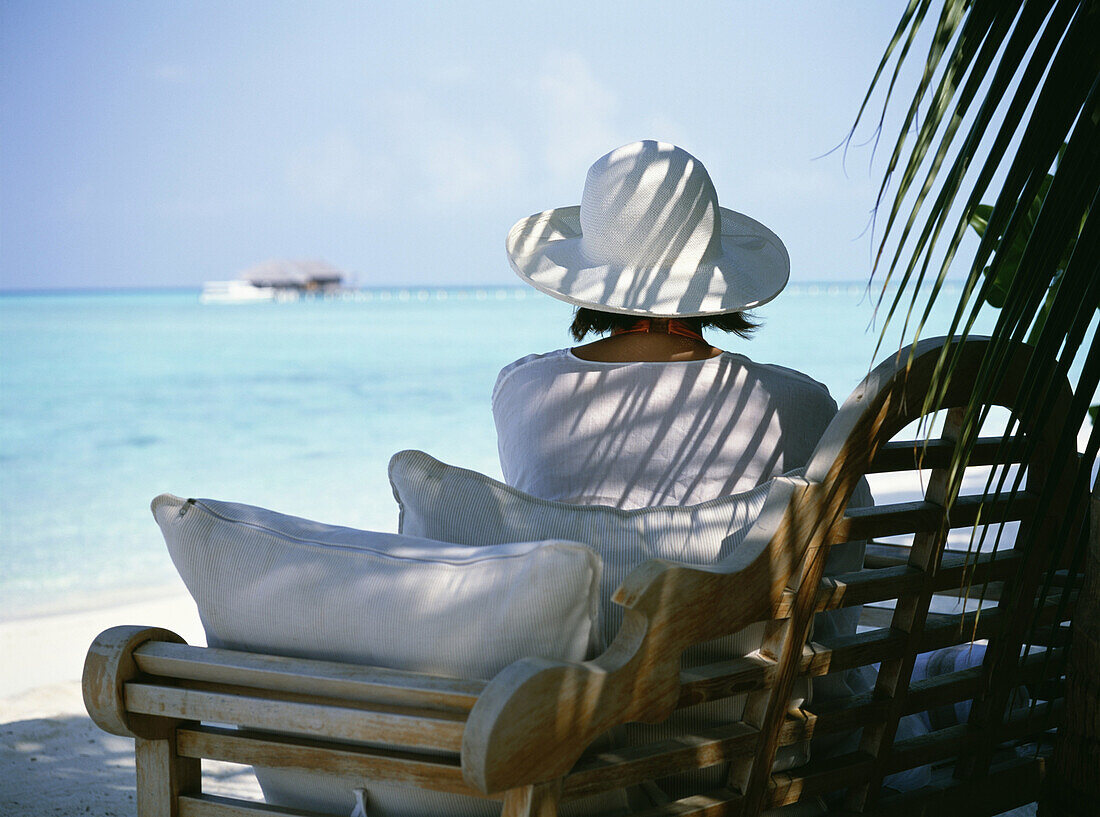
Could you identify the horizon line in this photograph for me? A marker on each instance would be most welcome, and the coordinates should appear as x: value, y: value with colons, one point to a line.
x: 197, y: 288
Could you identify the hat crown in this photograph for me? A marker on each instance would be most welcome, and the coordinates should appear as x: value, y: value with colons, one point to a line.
x: 650, y: 205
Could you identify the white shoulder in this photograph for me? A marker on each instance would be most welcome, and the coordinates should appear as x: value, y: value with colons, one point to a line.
x: 526, y: 362
x: 792, y: 379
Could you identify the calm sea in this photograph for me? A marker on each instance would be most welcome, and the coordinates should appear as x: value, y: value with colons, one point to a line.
x: 109, y: 399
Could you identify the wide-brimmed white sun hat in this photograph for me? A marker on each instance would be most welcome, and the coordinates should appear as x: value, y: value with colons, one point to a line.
x: 650, y: 239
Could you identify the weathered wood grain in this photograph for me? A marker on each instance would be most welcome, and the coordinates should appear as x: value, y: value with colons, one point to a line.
x: 438, y: 773
x: 429, y: 730
x: 163, y: 775
x: 107, y: 667
x: 211, y: 805
x: 320, y: 678
x: 716, y: 803
x: 533, y: 801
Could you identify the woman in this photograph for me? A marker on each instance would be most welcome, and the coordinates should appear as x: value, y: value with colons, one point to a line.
x: 652, y: 414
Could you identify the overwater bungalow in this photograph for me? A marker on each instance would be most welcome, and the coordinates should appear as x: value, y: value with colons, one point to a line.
x: 276, y: 280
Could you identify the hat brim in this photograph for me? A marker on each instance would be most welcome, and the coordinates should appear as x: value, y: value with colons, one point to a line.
x: 546, y: 251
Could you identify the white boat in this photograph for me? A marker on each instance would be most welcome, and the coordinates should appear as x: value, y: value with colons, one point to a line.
x: 234, y: 292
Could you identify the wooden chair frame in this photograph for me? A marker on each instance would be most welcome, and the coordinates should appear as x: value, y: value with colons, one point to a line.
x: 519, y: 737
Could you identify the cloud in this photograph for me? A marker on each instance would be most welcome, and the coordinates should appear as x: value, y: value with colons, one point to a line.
x: 423, y: 160
x: 334, y: 173
x: 578, y: 113
x: 580, y: 117
x: 470, y: 167
x: 447, y: 159
x: 439, y: 147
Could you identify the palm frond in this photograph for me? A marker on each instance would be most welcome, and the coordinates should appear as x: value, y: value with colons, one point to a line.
x: 1011, y: 94
x: 1043, y: 60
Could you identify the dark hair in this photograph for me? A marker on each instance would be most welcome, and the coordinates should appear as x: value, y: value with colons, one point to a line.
x: 587, y: 321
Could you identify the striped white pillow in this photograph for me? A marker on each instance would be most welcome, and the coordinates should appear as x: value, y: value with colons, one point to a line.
x: 440, y: 501
x: 458, y: 505
x: 267, y: 582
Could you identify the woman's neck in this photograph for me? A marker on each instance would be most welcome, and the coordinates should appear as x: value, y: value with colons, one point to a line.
x: 660, y: 326
x: 656, y: 340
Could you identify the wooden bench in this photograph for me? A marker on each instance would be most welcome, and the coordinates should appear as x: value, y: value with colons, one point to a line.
x: 519, y: 737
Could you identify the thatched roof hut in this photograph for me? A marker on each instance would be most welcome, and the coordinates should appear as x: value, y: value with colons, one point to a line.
x: 306, y: 275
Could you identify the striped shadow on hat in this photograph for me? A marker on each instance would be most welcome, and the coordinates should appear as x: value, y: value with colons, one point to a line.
x: 650, y: 239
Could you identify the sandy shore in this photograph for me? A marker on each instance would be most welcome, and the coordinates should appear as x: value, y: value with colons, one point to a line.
x: 54, y: 760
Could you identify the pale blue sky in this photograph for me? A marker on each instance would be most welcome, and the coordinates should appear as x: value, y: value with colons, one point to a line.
x: 168, y: 143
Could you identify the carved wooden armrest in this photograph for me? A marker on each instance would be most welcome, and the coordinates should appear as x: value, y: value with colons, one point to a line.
x: 537, y: 716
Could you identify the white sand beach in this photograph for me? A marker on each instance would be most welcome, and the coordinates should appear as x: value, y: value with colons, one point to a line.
x: 53, y: 759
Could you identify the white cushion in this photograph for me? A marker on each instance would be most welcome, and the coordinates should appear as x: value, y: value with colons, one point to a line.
x: 440, y: 501
x: 267, y: 582
x: 458, y: 505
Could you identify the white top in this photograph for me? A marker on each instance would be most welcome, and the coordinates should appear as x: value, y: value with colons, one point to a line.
x: 638, y: 434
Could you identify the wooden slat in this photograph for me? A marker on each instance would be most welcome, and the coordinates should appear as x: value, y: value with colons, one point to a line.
x: 949, y: 742
x: 716, y: 803
x: 723, y: 679
x: 1013, y: 783
x: 305, y: 676
x: 880, y: 555
x: 635, y: 764
x: 817, y: 777
x: 946, y: 631
x: 845, y: 652
x: 432, y: 730
x: 889, y: 554
x: 886, y: 555
x: 982, y: 592
x: 845, y: 714
x: 1051, y: 636
x: 881, y: 616
x: 943, y: 690
x: 831, y: 655
x: 854, y: 711
x: 684, y: 753
x: 925, y: 517
x: 303, y: 754
x: 952, y: 687
x: 958, y: 568
x: 907, y: 455
x: 540, y: 800
x: 1053, y: 610
x: 928, y: 521
x: 867, y: 586
x: 928, y: 748
x: 871, y: 616
x: 909, y: 618
x: 211, y: 805
x: 162, y: 774
x: 713, y: 681
x: 962, y: 628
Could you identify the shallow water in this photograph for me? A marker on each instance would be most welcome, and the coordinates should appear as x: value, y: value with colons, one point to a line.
x: 108, y: 399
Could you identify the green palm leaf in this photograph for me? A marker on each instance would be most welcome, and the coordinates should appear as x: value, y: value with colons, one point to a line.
x: 1010, y: 95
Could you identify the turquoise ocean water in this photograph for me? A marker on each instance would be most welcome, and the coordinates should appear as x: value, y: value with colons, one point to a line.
x: 107, y: 399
